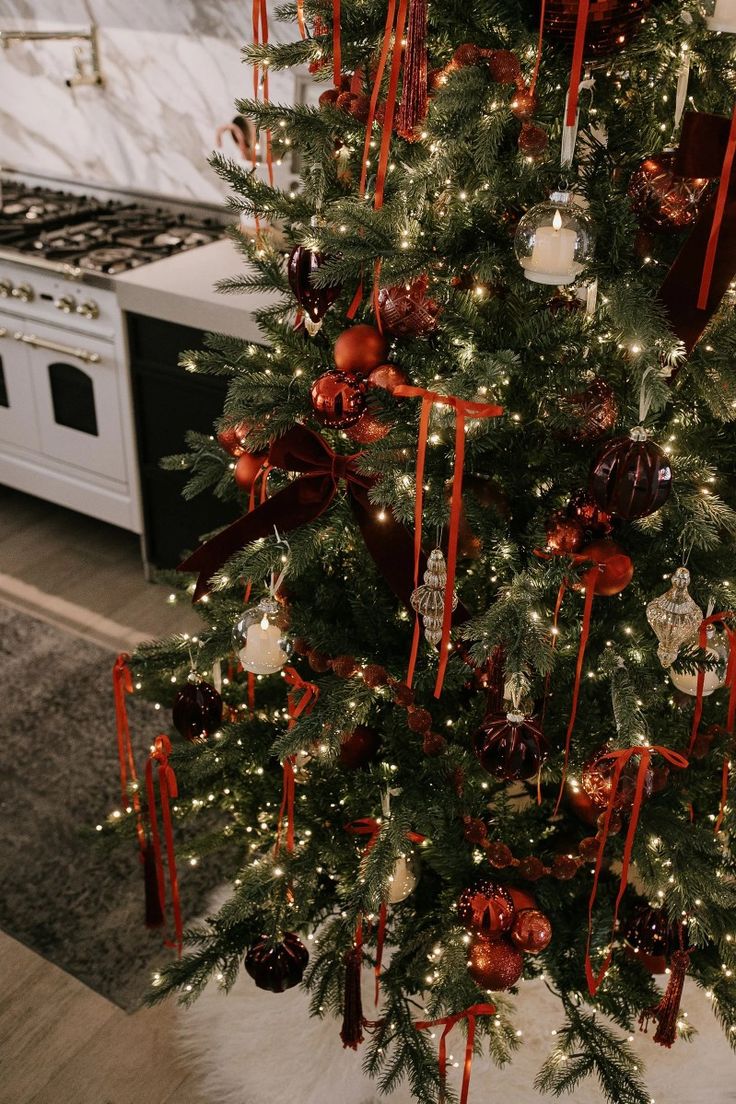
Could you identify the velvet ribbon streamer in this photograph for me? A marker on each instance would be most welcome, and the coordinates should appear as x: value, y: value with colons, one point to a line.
x: 304, y: 500
x: 447, y: 1023
x: 297, y: 704
x: 463, y: 410
x: 167, y: 789
x: 576, y: 67
x: 706, y: 150
x: 122, y: 683
x: 620, y: 759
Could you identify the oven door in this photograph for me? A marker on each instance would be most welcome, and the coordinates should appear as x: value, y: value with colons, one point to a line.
x: 18, y: 420
x: 77, y: 399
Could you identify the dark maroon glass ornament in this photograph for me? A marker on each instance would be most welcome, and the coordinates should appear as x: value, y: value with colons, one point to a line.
x: 359, y: 748
x: 277, y: 966
x: 406, y: 309
x: 631, y: 476
x: 597, y: 782
x: 197, y: 709
x: 338, y: 400
x: 510, y: 746
x: 314, y: 301
x: 611, y: 24
x: 650, y: 931
x: 596, y: 523
x: 662, y: 199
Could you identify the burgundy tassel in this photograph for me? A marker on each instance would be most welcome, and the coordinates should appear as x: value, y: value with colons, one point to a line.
x: 413, y: 109
x: 154, y: 906
x: 665, y: 1014
x: 351, y: 1032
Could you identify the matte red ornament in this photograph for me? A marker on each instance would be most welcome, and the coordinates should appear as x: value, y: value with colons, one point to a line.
x: 248, y: 468
x: 532, y: 139
x: 359, y: 748
x: 565, y: 535
x: 277, y: 966
x: 595, y: 522
x: 338, y: 400
x: 406, y: 310
x: 359, y: 350
x: 631, y: 476
x: 523, y: 103
x: 368, y: 429
x: 494, y: 964
x: 611, y: 569
x: 197, y: 709
x: 531, y: 931
x: 662, y: 199
x: 387, y: 376
x: 233, y: 439
x: 510, y: 746
x: 487, y: 908
x: 315, y: 302
x: 611, y: 24
x: 592, y: 412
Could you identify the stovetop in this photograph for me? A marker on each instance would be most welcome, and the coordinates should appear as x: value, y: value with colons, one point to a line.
x: 95, y: 236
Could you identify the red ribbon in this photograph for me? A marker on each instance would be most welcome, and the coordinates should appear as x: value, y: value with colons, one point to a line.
x: 122, y: 684
x: 577, y: 62
x: 716, y: 619
x: 297, y: 705
x: 463, y: 410
x: 300, y: 18
x: 260, y: 37
x: 718, y: 213
x: 540, y: 40
x: 167, y: 789
x: 447, y: 1023
x: 620, y: 759
x: 336, y: 44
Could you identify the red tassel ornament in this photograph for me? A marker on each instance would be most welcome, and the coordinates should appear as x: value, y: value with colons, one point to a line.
x: 666, y: 1013
x: 413, y: 109
x: 351, y: 1031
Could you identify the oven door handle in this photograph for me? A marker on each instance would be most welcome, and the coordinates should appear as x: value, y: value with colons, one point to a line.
x: 57, y: 347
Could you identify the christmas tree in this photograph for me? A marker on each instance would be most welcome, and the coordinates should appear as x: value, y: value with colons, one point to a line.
x: 461, y: 708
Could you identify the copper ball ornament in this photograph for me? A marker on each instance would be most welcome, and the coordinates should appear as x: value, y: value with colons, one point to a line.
x: 338, y: 400
x: 247, y: 469
x: 662, y: 199
x: 301, y: 265
x: 510, y: 746
x: 359, y: 350
x: 631, y: 476
x: 494, y: 964
x: 359, y: 747
x: 565, y: 535
x: 486, y: 907
x: 277, y: 966
x: 197, y: 709
x: 531, y: 931
x: 386, y: 376
x: 611, y: 24
x: 611, y: 568
x: 406, y: 310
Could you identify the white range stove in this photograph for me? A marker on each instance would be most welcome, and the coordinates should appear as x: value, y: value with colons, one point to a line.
x: 66, y: 414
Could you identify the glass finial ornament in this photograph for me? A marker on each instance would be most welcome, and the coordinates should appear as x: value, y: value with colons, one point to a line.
x: 674, y: 616
x: 260, y: 638
x: 554, y: 240
x: 429, y: 599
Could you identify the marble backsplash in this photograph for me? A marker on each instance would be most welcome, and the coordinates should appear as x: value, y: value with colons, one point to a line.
x: 172, y: 70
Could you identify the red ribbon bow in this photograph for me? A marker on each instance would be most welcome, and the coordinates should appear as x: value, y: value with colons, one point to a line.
x: 167, y: 789
x: 122, y: 684
x: 620, y: 759
x: 297, y: 705
x: 447, y: 1023
x: 706, y: 150
x: 464, y: 409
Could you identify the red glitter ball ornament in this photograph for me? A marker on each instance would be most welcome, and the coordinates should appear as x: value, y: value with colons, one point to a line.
x: 197, y: 709
x: 359, y: 748
x: 338, y: 400
x: 406, y: 310
x: 486, y: 907
x: 532, y: 139
x: 359, y: 350
x: 504, y: 66
x: 510, y: 746
x: 611, y: 571
x: 248, y: 468
x: 523, y: 103
x: 386, y: 376
x: 662, y: 199
x: 368, y: 429
x: 631, y: 476
x: 531, y: 931
x: 315, y: 302
x: 611, y: 24
x: 494, y: 964
x: 277, y: 966
x: 565, y: 535
x: 591, y: 413
x: 467, y: 54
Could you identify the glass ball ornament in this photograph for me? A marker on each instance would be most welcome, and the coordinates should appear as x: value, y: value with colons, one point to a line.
x: 403, y: 880
x: 301, y: 265
x: 510, y: 746
x: 611, y: 24
x: 612, y: 569
x: 596, y: 780
x: 631, y: 476
x: 260, y: 638
x: 662, y: 199
x: 554, y: 240
x: 197, y: 708
x: 674, y: 617
x: 407, y: 310
x: 277, y: 966
x: 359, y: 748
x: 486, y: 907
x: 565, y: 535
x: 589, y: 413
x: 531, y: 931
x: 651, y: 937
x: 714, y: 677
x: 494, y: 964
x: 338, y: 400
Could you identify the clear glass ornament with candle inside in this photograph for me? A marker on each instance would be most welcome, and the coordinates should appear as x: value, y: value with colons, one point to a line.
x: 554, y: 240
x: 259, y: 635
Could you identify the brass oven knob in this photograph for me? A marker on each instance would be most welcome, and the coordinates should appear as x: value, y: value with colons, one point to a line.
x: 24, y: 292
x: 88, y: 309
x: 6, y: 289
x: 65, y: 303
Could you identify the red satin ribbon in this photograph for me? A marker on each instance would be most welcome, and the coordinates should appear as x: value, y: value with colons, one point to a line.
x: 463, y: 410
x: 540, y: 40
x: 300, y: 18
x: 720, y: 207
x: 336, y: 44
x: 620, y: 759
x: 297, y: 705
x: 382, y: 58
x: 447, y: 1023
x: 716, y: 619
x: 577, y: 62
x: 725, y: 778
x: 122, y: 684
x: 167, y: 789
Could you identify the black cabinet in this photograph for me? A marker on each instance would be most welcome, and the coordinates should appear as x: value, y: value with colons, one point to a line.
x: 168, y: 403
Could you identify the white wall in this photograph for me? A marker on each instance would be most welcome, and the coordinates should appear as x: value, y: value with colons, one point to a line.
x: 172, y: 70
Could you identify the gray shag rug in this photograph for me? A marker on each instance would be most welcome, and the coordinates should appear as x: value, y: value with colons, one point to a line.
x: 64, y: 894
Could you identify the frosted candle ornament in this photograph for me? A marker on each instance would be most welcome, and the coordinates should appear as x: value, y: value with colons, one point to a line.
x: 723, y: 17
x: 554, y: 240
x: 260, y: 639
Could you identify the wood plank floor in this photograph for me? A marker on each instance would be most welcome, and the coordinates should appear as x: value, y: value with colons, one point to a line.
x: 60, y: 1042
